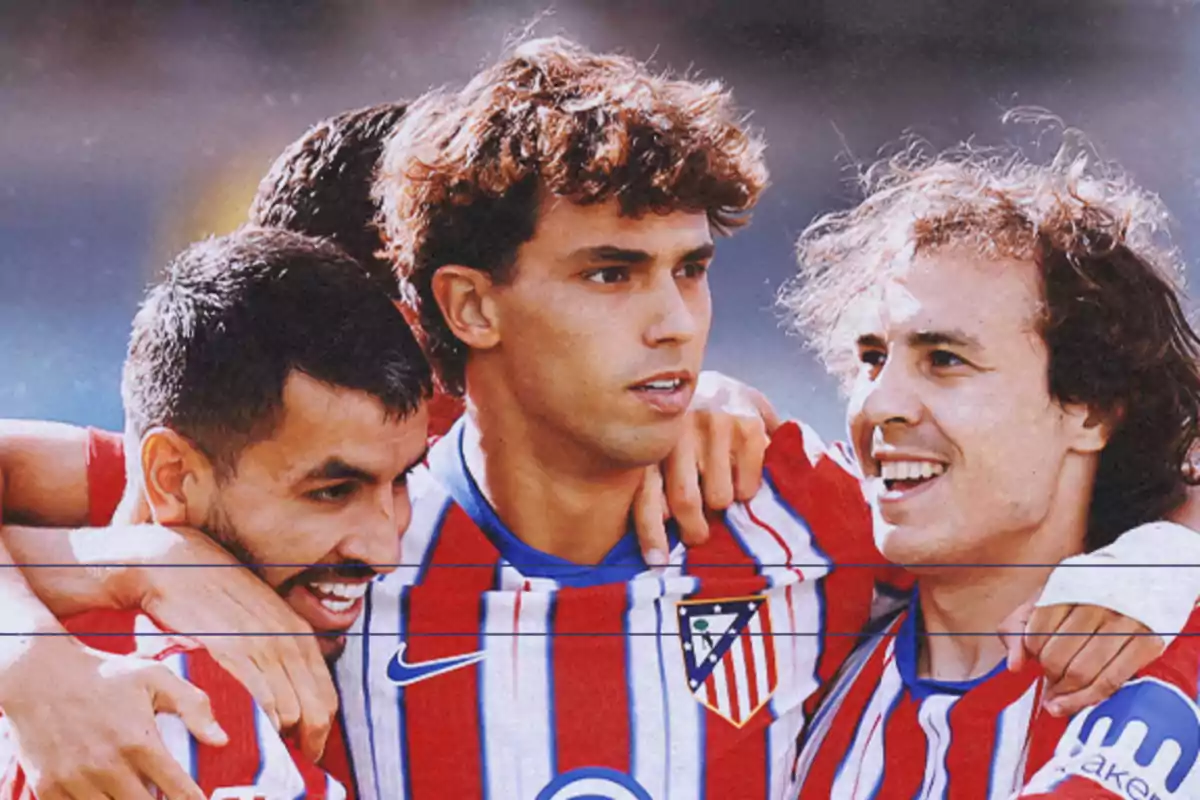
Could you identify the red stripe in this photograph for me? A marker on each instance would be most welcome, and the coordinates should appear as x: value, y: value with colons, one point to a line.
x: 336, y: 759
x: 733, y: 757
x: 442, y: 723
x: 105, y: 460
x: 818, y: 784
x: 829, y: 499
x: 768, y: 639
x: 237, y: 763
x: 724, y: 568
x: 591, y: 692
x: 905, y: 750
x: 973, y: 721
x: 710, y: 689
x: 751, y: 670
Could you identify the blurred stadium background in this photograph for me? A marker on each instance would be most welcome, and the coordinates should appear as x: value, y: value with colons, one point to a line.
x: 128, y: 129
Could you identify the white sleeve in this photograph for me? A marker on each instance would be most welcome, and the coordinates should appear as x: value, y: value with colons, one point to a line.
x: 1159, y: 587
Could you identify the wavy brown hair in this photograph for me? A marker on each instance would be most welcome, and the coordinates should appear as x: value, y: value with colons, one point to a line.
x: 462, y: 179
x: 1112, y: 316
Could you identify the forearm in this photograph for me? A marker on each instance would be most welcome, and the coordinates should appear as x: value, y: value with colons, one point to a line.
x: 24, y: 618
x: 60, y: 570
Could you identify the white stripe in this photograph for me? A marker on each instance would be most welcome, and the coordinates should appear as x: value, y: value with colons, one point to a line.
x: 334, y: 789
x: 501, y: 720
x: 647, y: 695
x: 1012, y: 727
x: 865, y: 757
x: 831, y: 707
x: 429, y: 503
x: 532, y: 692
x: 722, y: 689
x: 348, y: 670
x: 685, y: 712
x: 279, y: 776
x: 934, y: 716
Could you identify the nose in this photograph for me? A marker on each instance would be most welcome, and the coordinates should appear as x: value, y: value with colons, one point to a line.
x: 375, y: 540
x: 675, y: 318
x: 893, y: 397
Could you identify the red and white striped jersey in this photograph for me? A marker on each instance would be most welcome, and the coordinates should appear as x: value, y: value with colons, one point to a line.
x: 884, y: 732
x: 485, y: 669
x: 256, y: 763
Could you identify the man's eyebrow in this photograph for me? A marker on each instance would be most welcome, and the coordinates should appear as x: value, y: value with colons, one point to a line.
x: 337, y: 469
x: 954, y: 337
x: 607, y: 252
x: 870, y: 340
x: 623, y: 255
x: 701, y: 253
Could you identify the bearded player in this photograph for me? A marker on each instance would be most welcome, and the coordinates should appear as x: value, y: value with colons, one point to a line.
x: 1024, y: 387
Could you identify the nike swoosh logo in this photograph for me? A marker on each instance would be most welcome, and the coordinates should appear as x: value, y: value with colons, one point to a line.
x: 402, y: 673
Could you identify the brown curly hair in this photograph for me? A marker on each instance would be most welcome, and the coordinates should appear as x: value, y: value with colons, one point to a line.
x: 462, y: 178
x: 1112, y: 315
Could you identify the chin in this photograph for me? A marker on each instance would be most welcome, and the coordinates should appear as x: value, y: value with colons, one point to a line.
x: 332, y: 645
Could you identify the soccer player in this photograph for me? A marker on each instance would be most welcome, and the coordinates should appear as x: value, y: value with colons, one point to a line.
x: 1024, y: 387
x: 604, y: 312
x: 555, y: 219
x: 320, y: 186
x: 258, y: 411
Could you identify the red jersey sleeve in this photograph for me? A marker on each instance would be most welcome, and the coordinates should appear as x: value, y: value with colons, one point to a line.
x: 1142, y: 742
x: 256, y: 764
x: 105, y: 475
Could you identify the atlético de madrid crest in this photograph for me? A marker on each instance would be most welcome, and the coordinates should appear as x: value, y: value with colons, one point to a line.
x: 729, y: 654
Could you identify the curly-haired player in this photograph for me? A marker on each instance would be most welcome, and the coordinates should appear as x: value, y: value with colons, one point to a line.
x: 1024, y: 386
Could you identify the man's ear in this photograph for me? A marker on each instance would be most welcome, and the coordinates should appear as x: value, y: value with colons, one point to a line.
x: 465, y: 298
x: 178, y: 479
x: 1092, y: 428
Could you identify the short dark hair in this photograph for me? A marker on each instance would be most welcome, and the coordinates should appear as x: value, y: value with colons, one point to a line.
x: 321, y: 186
x: 215, y: 341
x: 1112, y: 316
x: 464, y: 174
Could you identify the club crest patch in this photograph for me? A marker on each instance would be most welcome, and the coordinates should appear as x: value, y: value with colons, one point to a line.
x: 729, y: 654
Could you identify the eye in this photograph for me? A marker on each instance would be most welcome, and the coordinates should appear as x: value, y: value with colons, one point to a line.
x: 607, y: 275
x: 872, y: 359
x: 334, y: 493
x: 691, y: 270
x: 944, y: 359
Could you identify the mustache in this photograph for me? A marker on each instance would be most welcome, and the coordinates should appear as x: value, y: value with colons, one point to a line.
x: 349, y: 570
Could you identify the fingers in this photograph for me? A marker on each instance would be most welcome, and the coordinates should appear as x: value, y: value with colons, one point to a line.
x: 1104, y: 664
x: 1042, y: 624
x: 1068, y: 636
x: 318, y: 695
x: 172, y: 694
x: 750, y: 443
x: 716, y: 460
x: 1012, y: 634
x: 247, y: 672
x: 649, y: 505
x: 766, y: 411
x: 170, y: 778
x: 682, y: 481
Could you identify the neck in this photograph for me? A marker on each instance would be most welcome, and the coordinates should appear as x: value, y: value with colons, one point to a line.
x: 551, y: 494
x: 975, y: 600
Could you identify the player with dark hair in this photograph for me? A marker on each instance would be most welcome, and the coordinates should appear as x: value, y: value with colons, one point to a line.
x: 1024, y: 386
x: 261, y: 413
x: 319, y: 186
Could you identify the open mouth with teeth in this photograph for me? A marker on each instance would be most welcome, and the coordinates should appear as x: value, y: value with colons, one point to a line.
x: 664, y: 385
x: 335, y: 596
x: 903, y: 476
